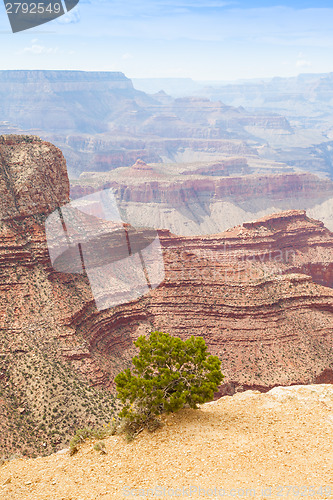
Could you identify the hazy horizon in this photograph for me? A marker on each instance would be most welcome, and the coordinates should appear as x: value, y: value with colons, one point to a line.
x: 185, y: 78
x: 219, y: 41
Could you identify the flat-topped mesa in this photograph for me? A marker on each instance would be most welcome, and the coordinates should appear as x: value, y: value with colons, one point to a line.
x: 282, y: 219
x: 226, y: 167
x: 174, y: 190
x: 33, y: 176
x: 63, y: 80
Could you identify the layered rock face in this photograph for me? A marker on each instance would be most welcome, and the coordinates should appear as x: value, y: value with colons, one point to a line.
x: 175, y: 191
x: 101, y: 121
x: 53, y: 100
x: 102, y: 153
x: 210, y: 198
x: 224, y: 168
x: 253, y: 294
x: 43, y: 397
x: 260, y: 294
x: 302, y: 93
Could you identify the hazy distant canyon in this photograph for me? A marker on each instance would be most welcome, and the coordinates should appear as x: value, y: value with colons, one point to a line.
x: 216, y: 154
x: 101, y: 121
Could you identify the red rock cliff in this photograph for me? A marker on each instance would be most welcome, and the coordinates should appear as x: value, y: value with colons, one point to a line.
x: 174, y: 191
x: 46, y: 368
x: 260, y: 294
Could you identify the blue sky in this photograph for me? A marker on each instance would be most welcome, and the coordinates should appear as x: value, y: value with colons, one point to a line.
x: 203, y: 40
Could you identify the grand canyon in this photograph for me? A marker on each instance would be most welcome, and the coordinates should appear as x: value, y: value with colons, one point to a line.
x: 259, y: 291
x: 166, y: 249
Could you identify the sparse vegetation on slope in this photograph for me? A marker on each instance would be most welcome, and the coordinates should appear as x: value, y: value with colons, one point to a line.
x: 247, y: 442
x: 44, y: 401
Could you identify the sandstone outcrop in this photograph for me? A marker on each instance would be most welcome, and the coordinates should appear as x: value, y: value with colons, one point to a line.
x: 141, y: 170
x: 33, y: 177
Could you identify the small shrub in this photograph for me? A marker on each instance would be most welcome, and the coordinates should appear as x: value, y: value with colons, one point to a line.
x: 80, y: 437
x: 100, y: 446
x: 168, y: 375
x: 86, y: 433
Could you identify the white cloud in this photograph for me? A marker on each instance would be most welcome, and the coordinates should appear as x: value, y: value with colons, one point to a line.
x: 302, y: 62
x: 40, y: 49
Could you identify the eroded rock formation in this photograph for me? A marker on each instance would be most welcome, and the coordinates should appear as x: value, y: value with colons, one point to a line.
x: 43, y: 396
x: 260, y: 294
x: 207, y: 199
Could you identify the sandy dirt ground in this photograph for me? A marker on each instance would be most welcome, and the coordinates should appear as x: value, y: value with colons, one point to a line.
x: 250, y: 445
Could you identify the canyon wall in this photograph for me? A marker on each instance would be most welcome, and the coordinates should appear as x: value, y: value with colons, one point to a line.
x: 44, y: 397
x: 260, y: 294
x: 207, y: 200
x: 100, y: 121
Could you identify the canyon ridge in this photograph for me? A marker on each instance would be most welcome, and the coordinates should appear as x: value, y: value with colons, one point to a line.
x: 260, y: 293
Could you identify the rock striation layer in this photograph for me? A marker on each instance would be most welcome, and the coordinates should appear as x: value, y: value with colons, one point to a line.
x: 210, y: 198
x: 44, y: 396
x: 260, y: 294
